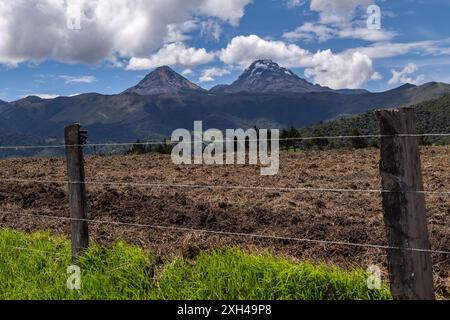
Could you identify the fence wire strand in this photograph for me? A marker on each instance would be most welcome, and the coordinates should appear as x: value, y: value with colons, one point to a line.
x: 199, y: 186
x: 168, y: 142
x: 228, y: 187
x: 230, y: 233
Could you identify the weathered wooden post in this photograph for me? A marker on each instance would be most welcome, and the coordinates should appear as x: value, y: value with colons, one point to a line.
x: 77, y: 189
x: 410, y: 271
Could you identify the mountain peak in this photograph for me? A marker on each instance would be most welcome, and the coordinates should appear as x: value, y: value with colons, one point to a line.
x: 163, y: 69
x: 265, y: 75
x: 267, y: 66
x: 163, y: 80
x: 406, y: 86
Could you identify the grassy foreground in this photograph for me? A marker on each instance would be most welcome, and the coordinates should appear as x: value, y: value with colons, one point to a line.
x: 34, y: 266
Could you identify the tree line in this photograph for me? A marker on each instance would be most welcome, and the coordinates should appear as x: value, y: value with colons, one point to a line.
x: 290, y: 140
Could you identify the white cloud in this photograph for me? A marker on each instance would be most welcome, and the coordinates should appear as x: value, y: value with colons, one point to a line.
x: 173, y: 54
x: 78, y: 79
x: 312, y: 31
x: 48, y: 95
x: 35, y: 30
x: 388, y: 49
x: 42, y: 95
x: 332, y: 11
x: 366, y: 34
x: 229, y: 10
x: 210, y: 74
x: 187, y: 72
x: 338, y: 71
x: 211, y: 28
x: 404, y: 76
x: 376, y: 76
x: 294, y: 3
x: 243, y: 50
x: 338, y: 19
x: 178, y: 32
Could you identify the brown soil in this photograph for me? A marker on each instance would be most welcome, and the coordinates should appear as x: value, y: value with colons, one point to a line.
x: 350, y: 217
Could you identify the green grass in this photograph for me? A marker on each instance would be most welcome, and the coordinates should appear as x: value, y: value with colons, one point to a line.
x: 126, y: 272
x: 121, y: 272
x: 231, y: 274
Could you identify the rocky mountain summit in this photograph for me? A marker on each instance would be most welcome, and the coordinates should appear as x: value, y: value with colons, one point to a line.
x: 163, y: 80
x: 266, y: 76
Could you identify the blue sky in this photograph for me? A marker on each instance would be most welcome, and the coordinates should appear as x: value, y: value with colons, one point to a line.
x: 109, y: 45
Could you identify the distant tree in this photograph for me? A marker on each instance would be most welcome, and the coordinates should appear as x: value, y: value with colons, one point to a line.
x: 422, y: 140
x: 319, y: 142
x: 308, y: 144
x: 163, y: 148
x: 137, y: 148
x: 288, y: 138
x: 283, y: 136
x: 357, y: 141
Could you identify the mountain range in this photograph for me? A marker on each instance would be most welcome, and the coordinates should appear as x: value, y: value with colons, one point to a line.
x: 265, y: 95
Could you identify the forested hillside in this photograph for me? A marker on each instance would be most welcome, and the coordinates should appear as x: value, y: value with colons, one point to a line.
x: 432, y: 117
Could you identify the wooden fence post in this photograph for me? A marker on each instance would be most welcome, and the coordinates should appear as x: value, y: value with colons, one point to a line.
x: 410, y: 272
x: 77, y: 190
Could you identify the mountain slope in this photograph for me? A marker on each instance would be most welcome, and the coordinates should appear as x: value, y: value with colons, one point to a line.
x: 11, y: 138
x: 266, y: 76
x: 163, y: 80
x: 432, y: 116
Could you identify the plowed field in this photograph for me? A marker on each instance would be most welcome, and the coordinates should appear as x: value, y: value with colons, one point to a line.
x: 334, y: 216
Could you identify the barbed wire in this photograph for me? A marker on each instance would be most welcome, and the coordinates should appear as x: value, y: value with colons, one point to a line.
x: 240, y: 234
x: 169, y: 142
x: 237, y: 187
x: 199, y: 186
x: 160, y: 185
